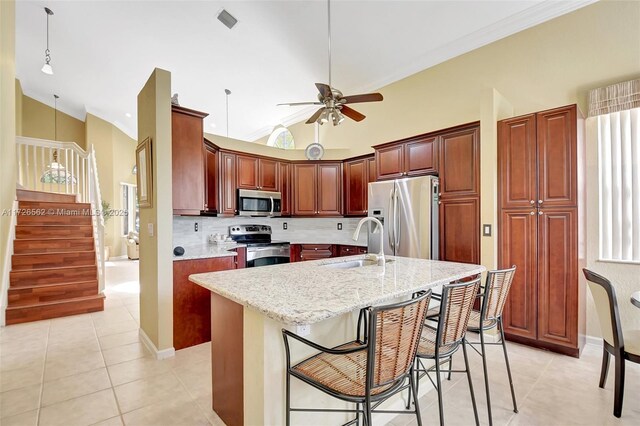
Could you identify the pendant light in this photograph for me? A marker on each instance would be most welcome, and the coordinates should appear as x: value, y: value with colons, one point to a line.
x: 47, y: 68
x: 55, y: 165
x: 227, y: 92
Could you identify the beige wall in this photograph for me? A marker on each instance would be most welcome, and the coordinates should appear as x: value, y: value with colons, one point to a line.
x: 38, y: 122
x: 7, y: 138
x: 156, y: 258
x: 115, y: 157
x: 19, y: 96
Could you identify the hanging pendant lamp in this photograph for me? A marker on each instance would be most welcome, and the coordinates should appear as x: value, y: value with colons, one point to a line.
x: 47, y: 68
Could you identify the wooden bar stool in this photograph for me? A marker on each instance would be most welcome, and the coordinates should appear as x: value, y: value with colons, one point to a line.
x: 365, y: 371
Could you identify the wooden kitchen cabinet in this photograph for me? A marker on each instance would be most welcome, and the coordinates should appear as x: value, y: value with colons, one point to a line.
x: 460, y: 230
x: 256, y: 173
x: 357, y: 174
x: 540, y: 228
x: 317, y: 189
x: 350, y: 250
x: 211, y: 179
x: 415, y: 156
x: 459, y: 163
x: 187, y: 161
x: 228, y: 199
x: 316, y: 251
x: 191, y: 302
x: 284, y: 186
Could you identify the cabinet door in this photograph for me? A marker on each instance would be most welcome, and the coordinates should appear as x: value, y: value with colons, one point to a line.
x: 356, y: 176
x: 247, y: 172
x: 268, y: 178
x: 348, y: 250
x: 558, y: 276
x: 459, y: 163
x: 390, y: 162
x: 304, y: 190
x: 315, y: 251
x: 228, y: 183
x: 460, y: 230
x: 421, y: 157
x: 557, y: 157
x: 211, y: 179
x: 187, y: 163
x: 284, y: 175
x: 329, y: 189
x: 371, y: 164
x: 517, y: 175
x: 517, y: 242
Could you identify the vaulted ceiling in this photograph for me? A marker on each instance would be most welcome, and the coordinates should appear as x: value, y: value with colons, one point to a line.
x: 103, y: 51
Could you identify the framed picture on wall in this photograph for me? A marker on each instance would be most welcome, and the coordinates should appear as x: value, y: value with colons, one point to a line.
x: 144, y: 178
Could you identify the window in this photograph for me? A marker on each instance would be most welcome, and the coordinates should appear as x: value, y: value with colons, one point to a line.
x: 619, y: 185
x: 281, y: 137
x: 131, y: 220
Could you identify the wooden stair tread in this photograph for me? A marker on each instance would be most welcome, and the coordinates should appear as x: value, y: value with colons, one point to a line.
x: 53, y: 268
x: 55, y: 203
x: 54, y: 252
x: 50, y: 285
x: 57, y: 302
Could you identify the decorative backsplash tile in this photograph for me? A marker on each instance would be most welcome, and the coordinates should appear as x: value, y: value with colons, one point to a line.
x: 299, y: 230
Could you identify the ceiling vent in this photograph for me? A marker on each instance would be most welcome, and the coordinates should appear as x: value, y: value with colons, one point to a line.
x: 227, y: 19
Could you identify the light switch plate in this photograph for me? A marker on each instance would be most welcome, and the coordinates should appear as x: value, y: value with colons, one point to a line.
x: 150, y: 229
x: 339, y: 226
x: 285, y: 226
x: 486, y: 230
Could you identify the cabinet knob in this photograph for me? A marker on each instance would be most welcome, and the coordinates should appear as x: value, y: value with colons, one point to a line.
x: 532, y: 202
x: 315, y: 248
x: 539, y: 201
x: 540, y: 212
x: 439, y: 194
x: 532, y: 213
x: 439, y: 202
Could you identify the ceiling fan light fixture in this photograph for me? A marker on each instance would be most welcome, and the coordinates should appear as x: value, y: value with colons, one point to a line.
x: 337, y: 117
x: 324, y: 117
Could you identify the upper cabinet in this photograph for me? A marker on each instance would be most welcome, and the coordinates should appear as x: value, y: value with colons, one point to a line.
x: 227, y: 173
x: 415, y: 156
x: 256, y: 173
x: 517, y: 162
x: 188, y: 161
x: 317, y: 189
x: 460, y: 162
x: 284, y: 187
x: 357, y: 175
x: 211, y: 179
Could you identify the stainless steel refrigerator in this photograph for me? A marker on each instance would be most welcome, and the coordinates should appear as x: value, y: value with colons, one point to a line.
x: 408, y: 210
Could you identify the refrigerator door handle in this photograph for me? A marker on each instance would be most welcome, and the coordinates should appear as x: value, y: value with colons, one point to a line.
x: 396, y: 227
x: 390, y: 220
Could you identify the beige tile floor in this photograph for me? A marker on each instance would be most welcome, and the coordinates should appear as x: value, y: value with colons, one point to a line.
x: 92, y: 369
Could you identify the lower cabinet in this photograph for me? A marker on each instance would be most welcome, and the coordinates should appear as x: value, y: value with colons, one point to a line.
x: 460, y: 230
x: 192, y: 303
x: 302, y: 252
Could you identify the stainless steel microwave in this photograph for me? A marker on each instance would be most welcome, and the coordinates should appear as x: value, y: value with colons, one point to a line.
x: 259, y: 203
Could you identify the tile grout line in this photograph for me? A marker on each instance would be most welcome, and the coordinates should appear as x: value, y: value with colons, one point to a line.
x: 44, y: 371
x: 193, y: 399
x: 113, y: 390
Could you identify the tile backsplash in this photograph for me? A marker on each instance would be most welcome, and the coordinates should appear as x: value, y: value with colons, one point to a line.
x: 299, y: 230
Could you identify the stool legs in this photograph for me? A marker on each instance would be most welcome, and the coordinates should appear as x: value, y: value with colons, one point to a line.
x: 506, y: 359
x: 483, y: 354
x: 473, y: 395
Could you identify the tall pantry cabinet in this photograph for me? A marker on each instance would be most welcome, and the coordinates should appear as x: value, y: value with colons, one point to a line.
x: 541, y: 227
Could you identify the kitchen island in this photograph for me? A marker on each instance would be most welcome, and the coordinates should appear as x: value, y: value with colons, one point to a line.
x: 317, y: 299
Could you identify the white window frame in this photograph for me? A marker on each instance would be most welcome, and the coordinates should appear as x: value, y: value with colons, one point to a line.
x: 273, y: 137
x: 128, y: 220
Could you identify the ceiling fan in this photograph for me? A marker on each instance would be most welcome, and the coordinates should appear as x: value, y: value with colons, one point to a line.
x: 334, y: 103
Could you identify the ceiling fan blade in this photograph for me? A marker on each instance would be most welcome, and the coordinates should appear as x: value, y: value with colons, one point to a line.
x: 352, y: 113
x: 315, y: 116
x: 369, y: 97
x: 324, y: 89
x: 300, y: 103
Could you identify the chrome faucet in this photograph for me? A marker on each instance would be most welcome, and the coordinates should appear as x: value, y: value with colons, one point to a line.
x: 380, y: 256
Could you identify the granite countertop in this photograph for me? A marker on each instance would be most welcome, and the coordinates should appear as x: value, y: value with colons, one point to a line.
x: 206, y: 251
x: 308, y: 292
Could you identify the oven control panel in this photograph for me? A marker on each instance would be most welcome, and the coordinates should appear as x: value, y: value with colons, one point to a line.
x: 249, y: 229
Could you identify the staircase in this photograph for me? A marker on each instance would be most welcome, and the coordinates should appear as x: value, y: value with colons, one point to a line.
x: 54, y: 269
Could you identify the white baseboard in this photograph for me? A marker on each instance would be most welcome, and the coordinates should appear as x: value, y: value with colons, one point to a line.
x: 4, y: 280
x: 593, y: 340
x: 158, y: 354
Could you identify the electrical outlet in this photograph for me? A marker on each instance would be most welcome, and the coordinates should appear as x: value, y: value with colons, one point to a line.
x: 486, y: 230
x: 150, y: 229
x: 339, y: 226
x: 195, y: 226
x: 284, y: 226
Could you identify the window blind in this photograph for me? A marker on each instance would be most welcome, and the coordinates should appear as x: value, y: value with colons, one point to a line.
x: 619, y: 178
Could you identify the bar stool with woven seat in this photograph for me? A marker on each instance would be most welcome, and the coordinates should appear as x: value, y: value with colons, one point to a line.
x: 440, y: 342
x: 622, y: 347
x: 494, y: 295
x: 365, y: 371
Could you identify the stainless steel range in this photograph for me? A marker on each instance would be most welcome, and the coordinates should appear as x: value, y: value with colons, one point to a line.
x: 261, y: 251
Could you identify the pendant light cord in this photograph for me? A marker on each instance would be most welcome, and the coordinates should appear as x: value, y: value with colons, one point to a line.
x: 329, y: 34
x: 55, y: 117
x: 227, y: 92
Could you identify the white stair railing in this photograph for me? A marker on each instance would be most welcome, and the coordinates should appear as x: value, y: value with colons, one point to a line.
x: 64, y: 168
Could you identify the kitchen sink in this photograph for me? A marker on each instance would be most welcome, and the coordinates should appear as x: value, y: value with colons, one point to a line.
x: 359, y: 263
